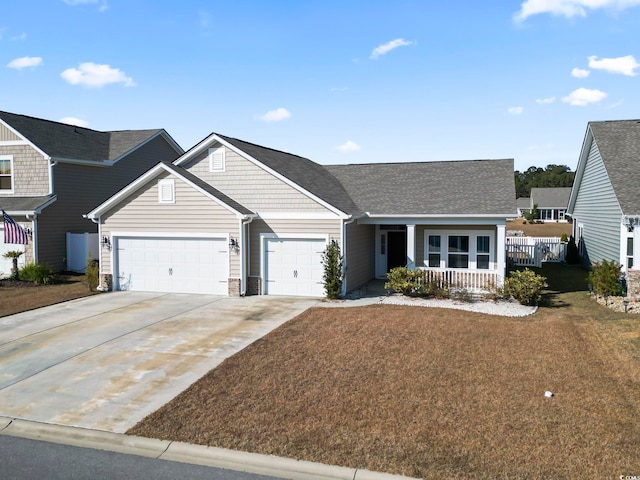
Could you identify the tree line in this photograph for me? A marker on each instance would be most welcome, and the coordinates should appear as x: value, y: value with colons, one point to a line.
x: 550, y: 176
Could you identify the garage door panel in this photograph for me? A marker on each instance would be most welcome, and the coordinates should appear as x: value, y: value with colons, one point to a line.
x: 179, y: 265
x: 294, y: 267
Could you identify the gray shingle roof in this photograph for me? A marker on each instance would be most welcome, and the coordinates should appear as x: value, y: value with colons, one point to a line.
x: 309, y: 175
x: 523, y: 202
x: 60, y: 140
x: 208, y: 188
x: 466, y: 187
x: 619, y: 145
x: 23, y: 204
x: 551, y: 197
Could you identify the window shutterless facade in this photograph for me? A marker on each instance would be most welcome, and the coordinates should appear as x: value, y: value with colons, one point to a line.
x: 6, y: 174
x: 464, y: 250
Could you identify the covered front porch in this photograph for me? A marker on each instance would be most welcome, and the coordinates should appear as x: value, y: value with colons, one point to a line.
x: 460, y: 253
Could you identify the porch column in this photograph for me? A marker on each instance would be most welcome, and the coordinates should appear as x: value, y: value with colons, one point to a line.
x: 501, y: 242
x: 411, y: 246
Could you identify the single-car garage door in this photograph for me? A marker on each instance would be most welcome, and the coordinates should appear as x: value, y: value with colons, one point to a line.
x: 294, y: 267
x: 176, y: 265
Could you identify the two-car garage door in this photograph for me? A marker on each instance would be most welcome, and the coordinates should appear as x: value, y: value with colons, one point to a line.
x: 176, y: 265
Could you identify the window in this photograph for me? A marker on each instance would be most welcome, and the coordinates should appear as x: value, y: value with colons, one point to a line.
x: 458, y: 251
x: 629, y: 252
x: 217, y: 159
x: 166, y: 191
x: 434, y: 251
x: 6, y: 174
x: 482, y: 252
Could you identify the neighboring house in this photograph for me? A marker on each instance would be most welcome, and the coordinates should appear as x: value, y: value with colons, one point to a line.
x: 231, y: 217
x: 52, y: 173
x: 605, y: 199
x: 551, y: 203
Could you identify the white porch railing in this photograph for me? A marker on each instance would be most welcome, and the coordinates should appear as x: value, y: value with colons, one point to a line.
x: 532, y: 251
x: 472, y: 280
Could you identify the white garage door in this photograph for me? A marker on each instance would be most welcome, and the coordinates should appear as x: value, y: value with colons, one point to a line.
x: 294, y: 267
x: 6, y: 263
x: 176, y: 265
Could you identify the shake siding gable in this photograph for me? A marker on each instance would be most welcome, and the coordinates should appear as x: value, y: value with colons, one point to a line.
x: 30, y: 171
x: 252, y: 186
x: 597, y: 210
x: 192, y: 213
x: 6, y: 135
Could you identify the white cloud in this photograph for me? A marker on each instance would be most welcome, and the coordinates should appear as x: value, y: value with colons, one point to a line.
x: 276, y: 115
x: 387, y: 47
x: 516, y: 110
x: 348, y: 146
x: 622, y: 65
x: 25, y: 62
x: 103, y: 6
x: 74, y: 121
x: 545, y: 101
x: 21, y: 37
x: 584, y: 96
x: 569, y: 8
x: 580, y: 73
x: 94, y: 75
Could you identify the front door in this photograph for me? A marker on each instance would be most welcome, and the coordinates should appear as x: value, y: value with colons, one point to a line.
x: 397, y: 250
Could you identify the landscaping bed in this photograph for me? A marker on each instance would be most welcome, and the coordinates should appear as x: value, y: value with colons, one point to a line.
x: 431, y: 392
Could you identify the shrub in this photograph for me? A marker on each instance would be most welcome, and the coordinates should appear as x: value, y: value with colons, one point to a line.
x: 92, y: 273
x: 564, y: 238
x: 38, y: 273
x: 525, y: 286
x: 572, y: 257
x: 332, y: 277
x: 605, y: 278
x: 404, y: 281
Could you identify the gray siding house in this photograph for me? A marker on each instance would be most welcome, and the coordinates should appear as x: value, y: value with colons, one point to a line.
x: 233, y: 218
x: 52, y: 173
x: 605, y: 201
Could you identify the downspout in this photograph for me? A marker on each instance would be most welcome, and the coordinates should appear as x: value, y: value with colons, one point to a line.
x: 52, y: 163
x: 98, y: 222
x: 34, y: 236
x: 350, y: 220
x: 244, y: 254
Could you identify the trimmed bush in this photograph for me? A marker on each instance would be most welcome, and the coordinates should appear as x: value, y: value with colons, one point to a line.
x: 37, y: 273
x: 605, y: 278
x: 332, y: 277
x: 415, y: 283
x: 525, y: 286
x: 92, y: 273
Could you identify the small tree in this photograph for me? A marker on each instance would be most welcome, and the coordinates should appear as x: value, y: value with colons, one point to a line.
x: 605, y: 278
x: 14, y: 255
x: 532, y: 215
x: 332, y: 262
x: 572, y: 256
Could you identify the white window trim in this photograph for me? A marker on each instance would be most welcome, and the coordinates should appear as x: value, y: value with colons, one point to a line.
x: 212, y: 153
x: 473, y: 245
x: 13, y: 185
x: 162, y: 185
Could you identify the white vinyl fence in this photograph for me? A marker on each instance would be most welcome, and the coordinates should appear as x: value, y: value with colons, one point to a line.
x: 79, y: 247
x: 533, y: 251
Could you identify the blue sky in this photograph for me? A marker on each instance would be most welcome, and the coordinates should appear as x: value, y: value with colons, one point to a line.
x: 334, y: 81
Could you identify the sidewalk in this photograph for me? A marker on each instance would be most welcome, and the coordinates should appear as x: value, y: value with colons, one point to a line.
x: 186, y: 453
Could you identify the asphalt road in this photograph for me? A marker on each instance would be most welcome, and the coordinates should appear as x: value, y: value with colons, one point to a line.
x: 23, y: 459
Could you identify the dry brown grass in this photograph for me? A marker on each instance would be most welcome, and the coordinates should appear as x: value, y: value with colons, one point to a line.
x: 16, y: 297
x: 431, y: 393
x: 540, y: 229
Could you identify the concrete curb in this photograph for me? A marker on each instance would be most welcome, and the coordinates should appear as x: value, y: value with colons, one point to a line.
x: 186, y: 453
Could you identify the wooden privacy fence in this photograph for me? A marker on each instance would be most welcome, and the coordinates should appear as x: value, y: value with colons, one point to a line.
x: 472, y: 280
x: 533, y: 251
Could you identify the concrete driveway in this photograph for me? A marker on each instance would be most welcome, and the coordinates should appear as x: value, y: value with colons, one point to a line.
x: 106, y: 361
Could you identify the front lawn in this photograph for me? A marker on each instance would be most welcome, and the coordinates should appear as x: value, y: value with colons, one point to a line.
x: 431, y: 393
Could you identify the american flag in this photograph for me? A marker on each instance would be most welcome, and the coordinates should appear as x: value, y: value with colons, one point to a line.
x: 13, y: 233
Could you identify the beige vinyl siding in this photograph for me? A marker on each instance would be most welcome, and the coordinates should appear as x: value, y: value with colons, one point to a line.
x: 81, y: 188
x: 322, y: 228
x: 252, y: 186
x: 30, y: 171
x: 597, y: 209
x: 6, y: 135
x: 192, y: 213
x: 360, y: 255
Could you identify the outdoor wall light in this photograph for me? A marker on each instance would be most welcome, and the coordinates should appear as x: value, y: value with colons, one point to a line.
x: 606, y: 300
x: 106, y: 243
x: 29, y: 232
x: 234, y: 244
